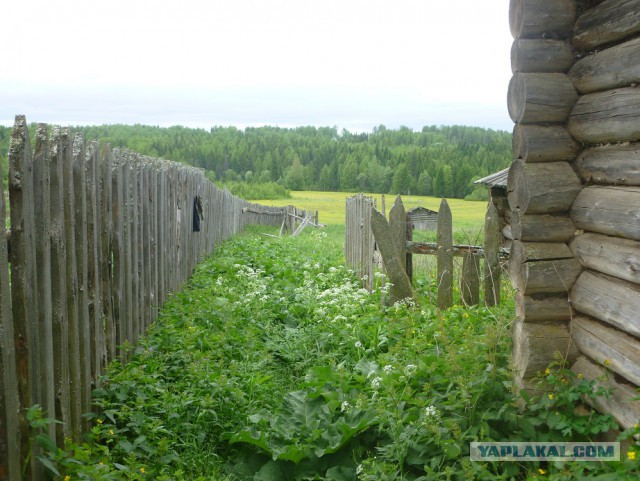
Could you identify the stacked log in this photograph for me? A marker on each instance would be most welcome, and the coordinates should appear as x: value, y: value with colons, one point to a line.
x: 606, y: 121
x: 542, y: 185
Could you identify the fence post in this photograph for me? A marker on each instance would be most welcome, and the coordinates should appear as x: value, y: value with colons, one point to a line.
x: 9, y: 400
x: 492, y: 270
x: 81, y: 255
x: 445, y: 256
x: 75, y: 363
x: 41, y: 180
x: 470, y: 280
x: 393, y: 261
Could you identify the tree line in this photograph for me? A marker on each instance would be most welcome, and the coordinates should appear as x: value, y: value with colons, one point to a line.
x: 437, y: 160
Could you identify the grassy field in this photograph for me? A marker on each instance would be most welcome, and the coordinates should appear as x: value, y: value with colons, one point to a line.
x: 467, y: 215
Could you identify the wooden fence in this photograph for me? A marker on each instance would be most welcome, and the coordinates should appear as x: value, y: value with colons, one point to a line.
x: 367, y: 231
x: 99, y: 238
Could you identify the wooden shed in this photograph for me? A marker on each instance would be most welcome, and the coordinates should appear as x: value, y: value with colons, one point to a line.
x: 423, y: 218
x: 574, y: 193
x: 497, y: 184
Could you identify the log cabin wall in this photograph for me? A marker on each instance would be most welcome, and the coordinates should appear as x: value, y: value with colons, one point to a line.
x: 574, y: 191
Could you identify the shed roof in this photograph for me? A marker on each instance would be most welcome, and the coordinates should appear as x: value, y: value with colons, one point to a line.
x: 421, y: 210
x: 498, y: 179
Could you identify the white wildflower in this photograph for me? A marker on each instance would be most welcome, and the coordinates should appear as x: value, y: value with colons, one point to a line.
x: 359, y: 469
x: 410, y: 370
x: 430, y: 411
x: 377, y: 381
x: 344, y: 406
x: 388, y: 369
x: 358, y: 344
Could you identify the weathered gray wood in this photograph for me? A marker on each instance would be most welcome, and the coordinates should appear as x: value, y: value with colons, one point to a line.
x: 543, y: 308
x: 10, y: 434
x: 608, y: 210
x: 608, y: 299
x: 397, y: 223
x: 23, y: 276
x: 43, y: 273
x: 621, y: 404
x: 541, y: 98
x: 470, y: 280
x: 539, y: 143
x: 118, y: 209
x: 618, y: 66
x: 609, y: 116
x: 542, y: 188
x: 612, y: 164
x: 542, y: 227
x: 610, y: 21
x: 105, y: 231
x: 75, y: 360
x: 541, y: 18
x: 445, y: 256
x: 60, y: 315
x: 457, y: 250
x: 134, y: 224
x: 609, y: 255
x: 401, y: 286
x: 493, y: 273
x: 542, y: 267
x: 540, y: 56
x: 538, y: 344
x: 81, y: 255
x: 96, y: 330
x: 603, y: 344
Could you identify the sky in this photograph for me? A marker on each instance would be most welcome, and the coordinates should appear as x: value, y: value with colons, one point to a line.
x: 352, y: 64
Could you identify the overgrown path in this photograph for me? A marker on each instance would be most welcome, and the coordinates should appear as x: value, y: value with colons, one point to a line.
x: 273, y: 364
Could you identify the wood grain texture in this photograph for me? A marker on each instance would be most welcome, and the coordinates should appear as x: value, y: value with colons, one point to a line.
x: 608, y: 299
x: 541, y: 18
x: 541, y: 98
x: 610, y: 21
x: 542, y: 227
x: 607, y: 346
x: 541, y: 56
x: 617, y: 66
x: 617, y: 164
x: 611, y: 210
x: 542, y: 188
x: 610, y: 255
x: 445, y: 256
x: 606, y: 117
x: 543, y: 143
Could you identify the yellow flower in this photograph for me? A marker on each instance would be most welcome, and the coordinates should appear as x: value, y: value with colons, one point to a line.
x: 111, y: 432
x: 542, y: 471
x: 67, y: 478
x: 606, y: 362
x: 580, y: 376
x: 99, y: 421
x: 551, y: 396
x: 142, y: 470
x: 547, y: 371
x: 631, y: 455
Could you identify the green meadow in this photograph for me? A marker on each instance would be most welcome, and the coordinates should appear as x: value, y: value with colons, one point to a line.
x: 331, y: 206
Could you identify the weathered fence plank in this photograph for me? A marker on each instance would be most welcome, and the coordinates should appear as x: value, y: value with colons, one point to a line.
x: 43, y: 273
x: 445, y: 256
x: 493, y: 272
x: 75, y: 361
x: 10, y: 433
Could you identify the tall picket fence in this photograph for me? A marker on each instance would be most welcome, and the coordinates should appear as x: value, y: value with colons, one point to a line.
x: 99, y: 239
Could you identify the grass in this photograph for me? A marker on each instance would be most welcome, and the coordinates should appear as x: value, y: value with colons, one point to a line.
x: 273, y: 364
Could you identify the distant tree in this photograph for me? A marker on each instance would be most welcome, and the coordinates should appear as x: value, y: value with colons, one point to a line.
x: 401, y: 180
x: 294, y: 178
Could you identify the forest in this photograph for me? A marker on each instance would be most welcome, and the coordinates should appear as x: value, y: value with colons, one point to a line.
x: 437, y: 160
